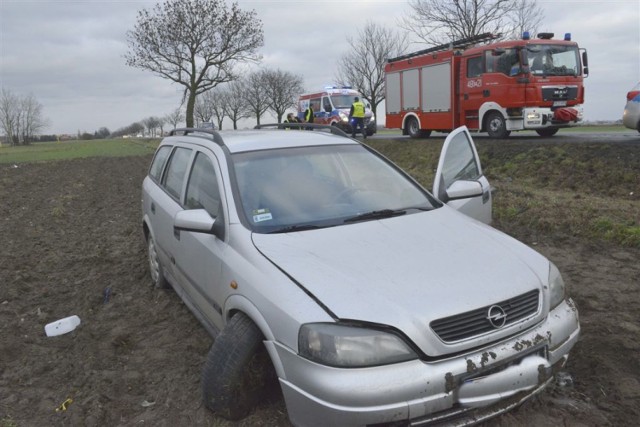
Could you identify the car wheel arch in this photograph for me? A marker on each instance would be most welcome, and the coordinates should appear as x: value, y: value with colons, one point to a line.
x: 239, y: 303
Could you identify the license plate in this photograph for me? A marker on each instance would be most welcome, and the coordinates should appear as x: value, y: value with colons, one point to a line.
x: 559, y: 103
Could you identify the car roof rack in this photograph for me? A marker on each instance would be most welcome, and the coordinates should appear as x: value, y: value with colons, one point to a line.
x: 215, y: 136
x: 302, y: 126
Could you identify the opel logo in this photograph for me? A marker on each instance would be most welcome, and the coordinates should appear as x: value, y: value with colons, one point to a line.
x: 496, y: 316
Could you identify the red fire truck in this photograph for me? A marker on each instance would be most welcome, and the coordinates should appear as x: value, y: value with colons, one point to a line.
x: 500, y: 87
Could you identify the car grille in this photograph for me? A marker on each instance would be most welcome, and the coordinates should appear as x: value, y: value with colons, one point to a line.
x: 476, y: 322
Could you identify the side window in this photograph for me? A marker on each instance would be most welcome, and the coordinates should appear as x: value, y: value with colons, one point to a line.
x: 176, y: 171
x: 460, y: 162
x: 474, y: 66
x: 326, y: 104
x: 508, y: 63
x: 159, y: 161
x: 491, y: 61
x: 202, y: 190
x: 315, y: 104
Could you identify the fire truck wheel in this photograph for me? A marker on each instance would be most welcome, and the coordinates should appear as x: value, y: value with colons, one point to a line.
x: 413, y: 129
x: 496, y: 126
x: 547, y: 132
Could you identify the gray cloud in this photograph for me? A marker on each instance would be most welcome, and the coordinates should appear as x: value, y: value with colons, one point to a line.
x: 69, y: 54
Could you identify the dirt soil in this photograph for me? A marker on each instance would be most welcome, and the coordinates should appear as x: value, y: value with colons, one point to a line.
x: 71, y: 244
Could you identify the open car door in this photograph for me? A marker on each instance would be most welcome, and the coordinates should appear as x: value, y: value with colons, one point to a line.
x: 459, y: 181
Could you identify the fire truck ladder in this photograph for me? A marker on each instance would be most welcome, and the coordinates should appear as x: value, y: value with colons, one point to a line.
x: 458, y: 44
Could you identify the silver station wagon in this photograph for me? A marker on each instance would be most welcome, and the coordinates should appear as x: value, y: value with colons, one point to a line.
x: 321, y: 268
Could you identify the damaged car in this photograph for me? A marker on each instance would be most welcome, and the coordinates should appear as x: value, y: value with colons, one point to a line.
x: 320, y: 267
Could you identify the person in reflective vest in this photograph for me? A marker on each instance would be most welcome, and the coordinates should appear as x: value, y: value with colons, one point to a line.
x: 291, y: 119
x: 308, y: 116
x: 356, y: 117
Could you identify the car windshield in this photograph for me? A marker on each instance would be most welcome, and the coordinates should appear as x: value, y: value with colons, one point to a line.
x: 342, y: 101
x: 553, y: 60
x: 294, y: 189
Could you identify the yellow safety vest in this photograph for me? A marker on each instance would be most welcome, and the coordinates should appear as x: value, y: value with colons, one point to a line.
x: 358, y: 109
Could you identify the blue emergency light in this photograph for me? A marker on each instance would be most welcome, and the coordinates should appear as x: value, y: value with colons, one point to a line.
x: 567, y: 37
x: 526, y: 35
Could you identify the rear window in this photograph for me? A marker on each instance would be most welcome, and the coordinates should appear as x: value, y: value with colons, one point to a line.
x: 176, y: 171
x: 159, y: 161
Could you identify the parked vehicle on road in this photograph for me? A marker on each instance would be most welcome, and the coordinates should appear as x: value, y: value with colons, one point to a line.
x: 331, y: 106
x: 631, y: 114
x: 314, y: 260
x: 500, y: 87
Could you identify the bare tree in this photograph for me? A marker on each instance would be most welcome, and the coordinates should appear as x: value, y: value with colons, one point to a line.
x: 21, y: 118
x: 255, y: 95
x: 203, y: 110
x: 211, y: 104
x: 8, y: 114
x: 219, y: 111
x: 282, y: 90
x: 527, y: 16
x: 152, y: 124
x: 363, y: 67
x: 175, y: 117
x: 441, y: 21
x: 234, y: 103
x: 195, y: 43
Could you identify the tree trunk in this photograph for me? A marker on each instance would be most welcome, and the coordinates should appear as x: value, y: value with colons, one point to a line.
x: 191, y: 103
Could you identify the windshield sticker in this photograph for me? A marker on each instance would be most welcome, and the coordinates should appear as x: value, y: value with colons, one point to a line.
x: 260, y: 215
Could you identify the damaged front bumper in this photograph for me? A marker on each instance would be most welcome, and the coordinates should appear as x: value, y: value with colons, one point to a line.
x: 461, y: 390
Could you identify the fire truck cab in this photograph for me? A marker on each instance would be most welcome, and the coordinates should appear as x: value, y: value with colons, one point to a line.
x: 331, y: 106
x: 534, y: 84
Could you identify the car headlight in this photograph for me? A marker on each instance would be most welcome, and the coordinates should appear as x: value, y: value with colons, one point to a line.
x: 344, y: 117
x: 349, y: 346
x: 556, y: 285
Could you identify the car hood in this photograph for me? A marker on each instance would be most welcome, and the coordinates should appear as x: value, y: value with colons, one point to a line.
x: 406, y: 271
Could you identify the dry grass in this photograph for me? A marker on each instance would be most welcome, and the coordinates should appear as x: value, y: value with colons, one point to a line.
x: 589, y: 191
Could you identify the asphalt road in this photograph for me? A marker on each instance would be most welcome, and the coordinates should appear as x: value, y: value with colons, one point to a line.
x: 564, y: 135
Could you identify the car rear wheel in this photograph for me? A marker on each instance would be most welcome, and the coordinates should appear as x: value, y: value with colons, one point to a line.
x: 496, y: 126
x: 155, y: 267
x: 238, y: 370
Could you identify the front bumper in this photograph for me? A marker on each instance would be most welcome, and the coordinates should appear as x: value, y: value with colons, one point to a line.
x: 462, y: 389
x: 542, y: 118
x: 370, y: 125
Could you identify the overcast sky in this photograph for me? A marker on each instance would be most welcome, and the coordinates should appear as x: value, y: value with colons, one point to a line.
x: 69, y: 53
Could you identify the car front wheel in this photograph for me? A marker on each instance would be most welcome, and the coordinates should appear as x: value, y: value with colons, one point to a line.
x: 238, y: 370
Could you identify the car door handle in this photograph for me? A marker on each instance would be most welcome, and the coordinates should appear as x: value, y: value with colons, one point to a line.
x: 153, y: 208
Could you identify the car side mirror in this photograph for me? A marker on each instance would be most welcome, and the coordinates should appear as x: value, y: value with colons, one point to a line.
x: 197, y: 220
x: 463, y: 190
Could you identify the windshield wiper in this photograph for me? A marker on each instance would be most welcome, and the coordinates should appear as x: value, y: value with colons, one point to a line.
x: 297, y: 227
x: 380, y: 214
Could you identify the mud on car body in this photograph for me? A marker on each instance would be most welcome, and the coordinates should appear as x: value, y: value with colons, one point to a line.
x: 315, y: 260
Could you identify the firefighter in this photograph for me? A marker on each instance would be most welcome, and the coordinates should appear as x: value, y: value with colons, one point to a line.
x: 356, y: 117
x: 308, y: 116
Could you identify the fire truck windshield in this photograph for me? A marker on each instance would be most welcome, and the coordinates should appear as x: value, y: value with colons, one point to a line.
x: 553, y: 60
